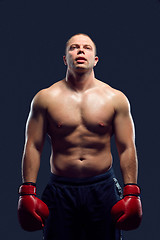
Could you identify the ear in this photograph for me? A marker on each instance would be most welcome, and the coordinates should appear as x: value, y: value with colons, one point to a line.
x: 64, y: 59
x: 96, y: 60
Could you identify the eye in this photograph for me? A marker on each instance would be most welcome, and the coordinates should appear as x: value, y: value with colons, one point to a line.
x: 88, y: 47
x: 72, y: 47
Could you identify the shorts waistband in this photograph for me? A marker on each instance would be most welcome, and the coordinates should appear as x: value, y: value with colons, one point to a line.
x: 81, y: 181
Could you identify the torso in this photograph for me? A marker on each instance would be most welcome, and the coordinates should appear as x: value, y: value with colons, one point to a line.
x: 80, y: 126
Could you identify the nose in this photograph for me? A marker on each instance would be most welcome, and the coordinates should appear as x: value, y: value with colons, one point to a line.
x: 81, y: 50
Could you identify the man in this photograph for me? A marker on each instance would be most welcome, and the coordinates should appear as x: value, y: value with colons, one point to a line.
x: 80, y: 114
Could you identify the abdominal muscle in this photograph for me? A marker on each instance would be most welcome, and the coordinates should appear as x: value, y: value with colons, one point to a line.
x: 80, y: 162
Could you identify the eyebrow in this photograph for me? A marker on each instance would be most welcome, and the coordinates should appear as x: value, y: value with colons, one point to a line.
x: 77, y: 45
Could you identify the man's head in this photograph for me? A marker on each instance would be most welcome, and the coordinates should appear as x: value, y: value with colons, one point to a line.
x: 79, y: 34
x: 80, y: 52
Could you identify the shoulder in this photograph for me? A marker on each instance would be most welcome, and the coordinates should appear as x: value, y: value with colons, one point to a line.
x: 39, y: 100
x: 121, y: 102
x: 44, y: 96
x: 117, y: 97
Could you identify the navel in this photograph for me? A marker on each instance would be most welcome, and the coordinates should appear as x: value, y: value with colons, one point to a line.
x: 101, y: 124
x: 59, y: 124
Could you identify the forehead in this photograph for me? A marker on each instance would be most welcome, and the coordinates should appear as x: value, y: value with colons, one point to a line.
x: 81, y: 40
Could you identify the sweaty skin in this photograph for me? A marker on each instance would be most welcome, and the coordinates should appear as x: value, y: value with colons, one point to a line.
x: 80, y: 114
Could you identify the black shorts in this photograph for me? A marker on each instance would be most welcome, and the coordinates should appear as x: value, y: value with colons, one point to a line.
x: 80, y: 207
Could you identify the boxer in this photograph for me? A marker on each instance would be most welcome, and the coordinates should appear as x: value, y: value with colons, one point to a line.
x: 80, y: 114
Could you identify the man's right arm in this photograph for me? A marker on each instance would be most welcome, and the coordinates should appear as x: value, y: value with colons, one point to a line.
x: 34, y: 139
x: 32, y: 212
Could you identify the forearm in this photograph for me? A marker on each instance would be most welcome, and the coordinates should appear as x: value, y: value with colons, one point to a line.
x: 30, y: 165
x: 129, y: 165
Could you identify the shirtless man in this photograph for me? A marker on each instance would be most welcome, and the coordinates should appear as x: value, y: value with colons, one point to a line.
x: 80, y: 114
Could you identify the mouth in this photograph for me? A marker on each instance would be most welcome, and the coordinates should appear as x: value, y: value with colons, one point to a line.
x: 81, y: 59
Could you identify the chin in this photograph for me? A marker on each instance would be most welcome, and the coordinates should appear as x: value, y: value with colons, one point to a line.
x: 82, y: 66
x: 81, y: 70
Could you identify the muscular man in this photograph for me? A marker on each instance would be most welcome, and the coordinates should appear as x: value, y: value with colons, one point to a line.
x: 80, y: 114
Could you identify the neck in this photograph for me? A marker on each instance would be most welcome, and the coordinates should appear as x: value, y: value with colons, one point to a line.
x: 80, y: 81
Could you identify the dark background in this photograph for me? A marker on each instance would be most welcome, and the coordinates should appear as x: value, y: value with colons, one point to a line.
x: 32, y: 39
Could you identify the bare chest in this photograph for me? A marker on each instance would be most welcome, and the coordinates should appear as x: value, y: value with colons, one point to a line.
x: 92, y: 111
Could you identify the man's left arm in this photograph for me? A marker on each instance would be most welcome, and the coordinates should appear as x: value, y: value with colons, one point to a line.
x: 125, y: 140
x: 127, y: 213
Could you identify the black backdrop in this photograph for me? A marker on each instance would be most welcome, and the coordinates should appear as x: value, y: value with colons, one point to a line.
x: 32, y: 39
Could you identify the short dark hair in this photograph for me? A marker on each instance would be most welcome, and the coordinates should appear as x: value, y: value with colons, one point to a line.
x: 84, y: 34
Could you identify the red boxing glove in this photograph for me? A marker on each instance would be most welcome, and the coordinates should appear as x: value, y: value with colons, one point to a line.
x: 32, y: 212
x: 127, y: 213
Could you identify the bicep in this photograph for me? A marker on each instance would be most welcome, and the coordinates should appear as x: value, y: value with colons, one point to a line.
x: 36, y: 127
x: 124, y: 127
